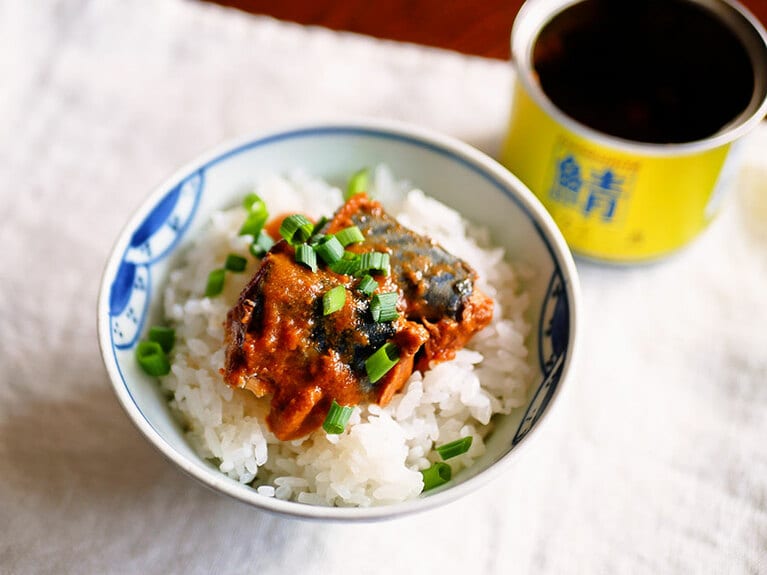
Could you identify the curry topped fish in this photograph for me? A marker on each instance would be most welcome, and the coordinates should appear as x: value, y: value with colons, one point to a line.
x: 351, y: 325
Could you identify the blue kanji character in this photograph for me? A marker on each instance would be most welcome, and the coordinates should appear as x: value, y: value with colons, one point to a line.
x: 604, y: 192
x: 568, y: 181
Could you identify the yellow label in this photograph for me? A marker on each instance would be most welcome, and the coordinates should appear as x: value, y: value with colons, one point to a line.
x: 610, y: 204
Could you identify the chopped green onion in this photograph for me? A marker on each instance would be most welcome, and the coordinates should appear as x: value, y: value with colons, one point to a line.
x: 235, y: 263
x: 152, y: 358
x: 455, y: 448
x: 329, y: 249
x: 337, y: 418
x: 165, y: 336
x: 253, y: 224
x: 438, y: 474
x: 319, y: 225
x: 296, y: 229
x: 261, y: 245
x: 305, y: 255
x: 333, y: 300
x: 383, y: 306
x: 350, y: 235
x: 257, y: 215
x: 348, y: 264
x: 316, y: 239
x: 215, y: 283
x: 359, y: 182
x: 367, y: 285
x: 378, y: 364
x: 375, y: 262
x: 253, y: 203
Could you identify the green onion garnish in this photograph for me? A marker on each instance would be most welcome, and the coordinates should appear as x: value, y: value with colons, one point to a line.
x: 215, y: 283
x: 262, y: 244
x: 350, y: 235
x: 374, y: 262
x: 317, y: 238
x: 152, y: 358
x: 383, y: 306
x: 337, y: 418
x: 367, y: 285
x: 319, y: 225
x: 235, y: 263
x: 438, y: 474
x: 305, y: 255
x: 296, y: 229
x: 253, y: 224
x: 455, y: 448
x: 359, y: 182
x: 165, y: 336
x: 253, y: 203
x: 378, y: 364
x: 257, y: 215
x: 333, y: 300
x: 329, y: 249
x: 348, y: 264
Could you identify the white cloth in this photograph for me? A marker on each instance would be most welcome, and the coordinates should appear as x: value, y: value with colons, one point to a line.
x: 654, y: 462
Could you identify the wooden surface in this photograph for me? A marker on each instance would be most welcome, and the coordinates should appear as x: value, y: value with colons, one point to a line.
x: 473, y: 27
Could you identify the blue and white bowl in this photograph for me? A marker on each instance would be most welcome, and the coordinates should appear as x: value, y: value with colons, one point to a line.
x: 451, y: 171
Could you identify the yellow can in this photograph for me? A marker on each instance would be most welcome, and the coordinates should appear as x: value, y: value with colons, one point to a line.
x: 629, y: 140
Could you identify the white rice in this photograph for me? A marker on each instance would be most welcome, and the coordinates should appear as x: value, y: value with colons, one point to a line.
x: 377, y: 459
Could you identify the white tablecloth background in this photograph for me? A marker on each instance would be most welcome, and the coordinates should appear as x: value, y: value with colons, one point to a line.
x: 654, y: 462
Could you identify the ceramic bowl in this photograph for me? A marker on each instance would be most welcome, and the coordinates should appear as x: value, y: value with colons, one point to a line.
x: 453, y: 172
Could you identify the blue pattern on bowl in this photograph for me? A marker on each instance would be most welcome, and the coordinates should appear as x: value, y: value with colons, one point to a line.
x: 152, y: 241
x: 554, y: 329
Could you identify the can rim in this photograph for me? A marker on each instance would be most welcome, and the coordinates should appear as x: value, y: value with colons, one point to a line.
x: 535, y: 14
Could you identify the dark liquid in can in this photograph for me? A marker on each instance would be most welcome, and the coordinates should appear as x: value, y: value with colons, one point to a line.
x: 657, y: 71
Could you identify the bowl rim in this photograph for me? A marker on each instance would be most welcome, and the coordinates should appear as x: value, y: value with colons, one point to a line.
x: 479, y: 162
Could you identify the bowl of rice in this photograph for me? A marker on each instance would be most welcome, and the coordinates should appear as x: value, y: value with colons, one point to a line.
x: 184, y: 258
